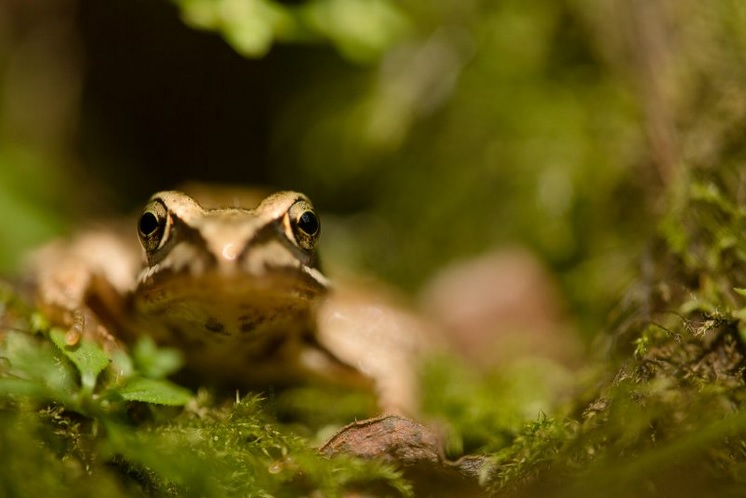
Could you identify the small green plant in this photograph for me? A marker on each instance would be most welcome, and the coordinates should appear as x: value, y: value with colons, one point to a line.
x: 84, y: 378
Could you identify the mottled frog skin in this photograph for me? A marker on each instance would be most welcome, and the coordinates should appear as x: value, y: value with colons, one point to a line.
x: 237, y: 289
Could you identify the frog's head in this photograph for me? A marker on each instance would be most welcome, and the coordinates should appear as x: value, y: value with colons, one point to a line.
x: 232, y: 270
x: 178, y: 235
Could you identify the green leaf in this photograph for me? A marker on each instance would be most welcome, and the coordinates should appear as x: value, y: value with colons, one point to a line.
x: 87, y: 356
x: 740, y: 291
x: 158, y: 392
x: 39, y: 363
x: 154, y: 362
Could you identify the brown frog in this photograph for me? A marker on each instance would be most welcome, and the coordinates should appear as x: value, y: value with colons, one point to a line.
x: 238, y: 290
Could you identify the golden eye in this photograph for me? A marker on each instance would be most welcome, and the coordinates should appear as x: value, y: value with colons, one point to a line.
x: 304, y: 223
x: 152, y: 225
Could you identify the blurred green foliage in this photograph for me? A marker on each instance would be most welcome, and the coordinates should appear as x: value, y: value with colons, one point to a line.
x: 444, y: 130
x: 483, y: 124
x: 360, y: 29
x: 486, y: 413
x: 25, y: 194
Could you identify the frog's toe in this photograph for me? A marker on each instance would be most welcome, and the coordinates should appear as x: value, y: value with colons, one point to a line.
x: 76, y: 330
x: 85, y: 324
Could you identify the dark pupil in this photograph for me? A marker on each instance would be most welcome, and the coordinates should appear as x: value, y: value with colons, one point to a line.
x: 148, y: 223
x: 308, y: 223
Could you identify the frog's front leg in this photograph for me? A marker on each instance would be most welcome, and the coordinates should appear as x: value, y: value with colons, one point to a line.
x: 381, y: 340
x: 80, y: 284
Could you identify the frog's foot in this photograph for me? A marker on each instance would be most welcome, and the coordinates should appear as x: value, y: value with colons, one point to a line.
x: 81, y: 284
x: 85, y: 324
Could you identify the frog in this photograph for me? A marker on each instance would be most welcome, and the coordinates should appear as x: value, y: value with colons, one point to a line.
x: 237, y: 287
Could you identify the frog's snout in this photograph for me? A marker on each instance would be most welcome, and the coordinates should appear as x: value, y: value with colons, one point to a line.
x: 230, y: 251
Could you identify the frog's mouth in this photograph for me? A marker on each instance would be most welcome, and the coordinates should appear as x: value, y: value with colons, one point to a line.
x: 244, y: 307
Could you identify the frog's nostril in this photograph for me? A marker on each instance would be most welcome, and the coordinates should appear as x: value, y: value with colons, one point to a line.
x: 230, y: 251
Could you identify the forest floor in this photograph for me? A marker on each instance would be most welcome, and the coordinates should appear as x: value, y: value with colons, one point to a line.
x: 658, y: 413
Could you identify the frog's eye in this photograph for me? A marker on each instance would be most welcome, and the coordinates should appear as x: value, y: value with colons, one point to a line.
x: 308, y: 223
x: 148, y: 223
x: 304, y: 223
x: 152, y: 225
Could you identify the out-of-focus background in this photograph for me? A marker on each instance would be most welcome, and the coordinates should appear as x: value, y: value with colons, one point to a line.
x: 428, y: 132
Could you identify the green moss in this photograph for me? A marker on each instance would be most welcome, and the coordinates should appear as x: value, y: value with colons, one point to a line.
x: 669, y: 414
x: 486, y: 412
